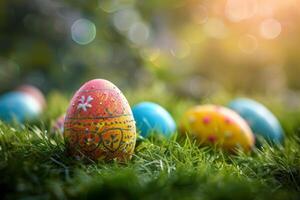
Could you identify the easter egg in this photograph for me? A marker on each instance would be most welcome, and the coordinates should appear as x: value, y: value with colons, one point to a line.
x: 18, y: 107
x: 152, y: 118
x: 34, y: 92
x: 262, y: 122
x: 58, y: 126
x: 219, y: 126
x: 99, y: 123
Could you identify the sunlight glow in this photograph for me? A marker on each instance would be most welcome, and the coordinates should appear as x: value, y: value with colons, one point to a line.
x: 215, y: 28
x: 238, y: 10
x: 200, y: 15
x: 270, y: 28
x: 248, y: 43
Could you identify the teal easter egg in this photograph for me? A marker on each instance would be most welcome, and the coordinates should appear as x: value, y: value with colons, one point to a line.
x: 153, y: 118
x: 261, y: 120
x: 34, y: 92
x: 18, y: 107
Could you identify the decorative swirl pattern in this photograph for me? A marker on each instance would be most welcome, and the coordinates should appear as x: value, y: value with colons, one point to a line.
x: 99, y: 123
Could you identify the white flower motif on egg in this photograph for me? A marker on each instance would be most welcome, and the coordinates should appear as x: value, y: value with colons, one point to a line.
x: 84, y: 103
x: 91, y: 130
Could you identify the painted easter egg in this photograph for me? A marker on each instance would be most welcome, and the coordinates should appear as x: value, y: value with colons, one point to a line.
x: 220, y: 126
x: 18, y: 107
x: 34, y: 92
x: 99, y: 123
x: 152, y: 118
x: 58, y: 126
x: 262, y: 121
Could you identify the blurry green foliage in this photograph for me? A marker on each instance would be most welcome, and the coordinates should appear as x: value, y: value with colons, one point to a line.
x: 195, y: 48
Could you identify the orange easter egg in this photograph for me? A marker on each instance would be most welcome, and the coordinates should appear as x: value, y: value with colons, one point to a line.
x: 220, y: 126
x: 99, y: 123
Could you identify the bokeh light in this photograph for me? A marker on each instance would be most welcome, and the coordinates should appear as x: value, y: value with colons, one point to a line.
x: 270, y: 28
x: 237, y: 10
x: 182, y: 50
x: 150, y: 54
x: 215, y: 28
x: 83, y: 31
x: 125, y: 18
x: 138, y: 33
x: 110, y: 6
x: 172, y: 41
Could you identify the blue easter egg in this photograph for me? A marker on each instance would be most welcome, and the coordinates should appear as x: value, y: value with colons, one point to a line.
x: 18, y: 107
x: 262, y: 121
x: 152, y: 118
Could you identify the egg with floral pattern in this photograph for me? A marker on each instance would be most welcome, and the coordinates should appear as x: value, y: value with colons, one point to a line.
x: 99, y: 123
x: 219, y: 126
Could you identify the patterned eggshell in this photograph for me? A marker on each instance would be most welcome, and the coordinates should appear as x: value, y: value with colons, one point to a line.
x: 220, y: 126
x: 262, y: 121
x: 99, y: 123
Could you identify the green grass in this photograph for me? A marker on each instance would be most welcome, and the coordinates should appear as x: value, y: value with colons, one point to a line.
x: 35, y: 166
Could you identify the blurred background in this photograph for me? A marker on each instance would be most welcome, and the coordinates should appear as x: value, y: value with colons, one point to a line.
x: 191, y: 48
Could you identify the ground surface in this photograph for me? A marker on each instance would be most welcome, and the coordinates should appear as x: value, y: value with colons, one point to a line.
x: 35, y: 166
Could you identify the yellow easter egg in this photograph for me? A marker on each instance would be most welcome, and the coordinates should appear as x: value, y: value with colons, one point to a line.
x: 217, y: 125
